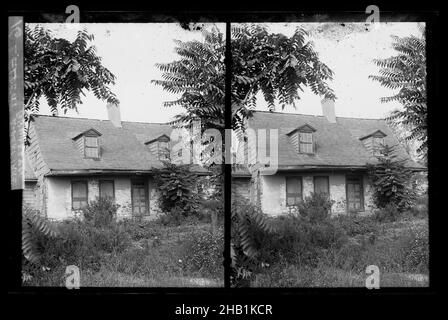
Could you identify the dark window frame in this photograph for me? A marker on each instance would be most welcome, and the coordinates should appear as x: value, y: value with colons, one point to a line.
x: 286, y: 189
x: 145, y: 184
x: 305, y: 142
x: 113, y: 187
x: 87, y: 192
x: 90, y: 147
x: 359, y: 177
x: 321, y: 176
x: 163, y: 153
x: 377, y: 143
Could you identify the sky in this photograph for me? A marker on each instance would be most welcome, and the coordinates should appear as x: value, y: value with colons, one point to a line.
x: 131, y: 50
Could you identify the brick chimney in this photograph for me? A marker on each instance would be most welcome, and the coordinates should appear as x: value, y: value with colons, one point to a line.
x: 328, y: 110
x: 113, y: 112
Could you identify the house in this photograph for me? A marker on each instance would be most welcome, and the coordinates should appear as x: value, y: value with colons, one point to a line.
x: 315, y: 154
x: 72, y: 161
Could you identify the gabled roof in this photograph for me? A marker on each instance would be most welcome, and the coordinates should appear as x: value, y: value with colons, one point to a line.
x: 303, y: 128
x: 377, y: 133
x: 121, y: 148
x: 89, y: 132
x: 336, y: 144
x: 159, y: 138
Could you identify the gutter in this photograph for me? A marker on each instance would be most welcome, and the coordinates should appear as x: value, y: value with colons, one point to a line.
x: 96, y: 172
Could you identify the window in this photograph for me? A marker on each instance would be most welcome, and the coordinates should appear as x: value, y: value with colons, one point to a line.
x: 79, y: 194
x: 377, y: 144
x: 293, y: 190
x: 355, y: 193
x: 107, y: 189
x: 321, y: 185
x: 305, y: 142
x: 91, y: 147
x: 139, y: 198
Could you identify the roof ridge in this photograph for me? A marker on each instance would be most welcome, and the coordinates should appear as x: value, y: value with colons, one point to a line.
x: 313, y: 115
x: 92, y: 119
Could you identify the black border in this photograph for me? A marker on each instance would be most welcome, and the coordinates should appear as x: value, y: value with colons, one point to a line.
x: 293, y: 299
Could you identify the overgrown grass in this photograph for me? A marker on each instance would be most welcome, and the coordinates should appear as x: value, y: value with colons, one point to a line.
x: 127, y: 254
x: 400, y: 250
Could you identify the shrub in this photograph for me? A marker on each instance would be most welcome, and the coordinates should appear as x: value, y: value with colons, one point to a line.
x: 420, y: 208
x: 297, y: 240
x: 100, y: 212
x: 355, y: 225
x: 389, y: 213
x: 178, y: 189
x: 316, y: 207
x: 416, y: 251
x: 174, y: 217
x: 391, y: 181
x: 137, y: 229
x: 203, y: 252
x: 82, y: 244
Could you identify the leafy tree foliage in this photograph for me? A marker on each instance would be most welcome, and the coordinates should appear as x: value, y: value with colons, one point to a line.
x: 273, y: 64
x: 178, y: 188
x: 61, y: 71
x: 391, y: 180
x: 406, y: 72
x: 33, y: 223
x: 247, y: 220
x: 198, y: 77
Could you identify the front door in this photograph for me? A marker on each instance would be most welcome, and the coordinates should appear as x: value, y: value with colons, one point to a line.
x: 355, y: 194
x: 139, y: 198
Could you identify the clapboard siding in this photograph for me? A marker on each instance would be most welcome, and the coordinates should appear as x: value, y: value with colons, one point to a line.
x: 29, y: 195
x: 35, y: 155
x: 368, y: 143
x: 294, y: 139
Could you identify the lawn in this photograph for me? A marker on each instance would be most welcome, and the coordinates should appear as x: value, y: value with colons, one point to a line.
x: 148, y: 254
x: 400, y: 250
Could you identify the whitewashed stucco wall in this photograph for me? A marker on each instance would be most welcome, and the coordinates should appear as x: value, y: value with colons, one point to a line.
x: 273, y: 192
x: 59, y: 202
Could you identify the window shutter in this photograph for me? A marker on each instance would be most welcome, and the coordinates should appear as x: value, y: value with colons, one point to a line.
x: 79, y: 194
x: 293, y: 190
x: 107, y: 189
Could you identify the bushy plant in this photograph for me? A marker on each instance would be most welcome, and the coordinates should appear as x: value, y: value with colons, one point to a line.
x: 178, y: 186
x: 416, y: 256
x: 391, y: 180
x: 137, y: 229
x: 203, y: 252
x: 355, y: 225
x: 316, y: 207
x: 174, y: 217
x: 388, y: 213
x: 101, y: 212
x: 34, y: 226
x: 297, y: 240
x: 82, y: 243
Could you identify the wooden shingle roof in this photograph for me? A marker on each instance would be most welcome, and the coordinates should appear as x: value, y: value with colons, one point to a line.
x: 336, y: 144
x: 121, y: 149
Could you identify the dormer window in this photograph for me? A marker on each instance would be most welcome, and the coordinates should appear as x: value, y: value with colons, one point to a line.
x: 91, y: 147
x: 306, y: 142
x: 303, y: 139
x: 160, y: 147
x: 374, y: 142
x: 88, y: 144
